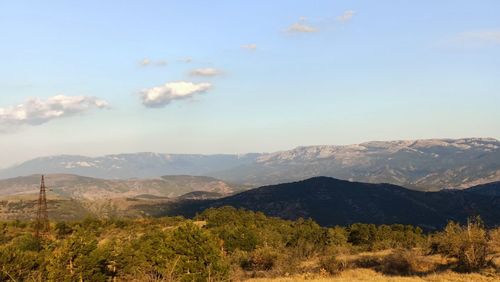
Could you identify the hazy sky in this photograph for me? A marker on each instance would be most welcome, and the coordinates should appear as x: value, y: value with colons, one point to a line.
x: 99, y: 77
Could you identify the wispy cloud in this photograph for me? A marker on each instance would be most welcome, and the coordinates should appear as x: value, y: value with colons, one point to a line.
x: 163, y: 95
x: 301, y: 27
x: 346, y: 16
x: 148, y: 62
x: 36, y: 111
x: 249, y: 46
x: 205, y: 72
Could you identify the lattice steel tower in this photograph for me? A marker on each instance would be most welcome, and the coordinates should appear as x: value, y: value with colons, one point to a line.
x: 42, y: 217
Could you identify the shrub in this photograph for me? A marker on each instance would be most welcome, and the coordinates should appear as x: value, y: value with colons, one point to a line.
x: 337, y: 236
x: 307, y: 238
x: 468, y: 244
x: 63, y: 229
x: 261, y: 259
x: 27, y: 242
x: 200, y: 255
x: 17, y: 265
x: 185, y: 253
x: 362, y: 234
x: 332, y: 265
x: 494, y: 243
x: 371, y: 237
x: 398, y: 263
x: 368, y: 261
x: 77, y: 258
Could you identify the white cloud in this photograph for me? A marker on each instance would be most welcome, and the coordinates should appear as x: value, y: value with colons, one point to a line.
x: 249, y: 46
x: 205, y: 72
x: 346, y: 16
x: 301, y: 27
x: 161, y: 96
x: 148, y: 62
x: 35, y: 111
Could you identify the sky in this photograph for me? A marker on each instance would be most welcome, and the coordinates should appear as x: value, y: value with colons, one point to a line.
x: 103, y: 77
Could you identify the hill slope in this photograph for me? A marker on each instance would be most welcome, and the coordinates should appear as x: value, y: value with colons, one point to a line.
x: 335, y: 202
x: 492, y: 189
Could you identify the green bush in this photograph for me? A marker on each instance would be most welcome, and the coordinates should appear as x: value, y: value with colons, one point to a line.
x: 468, y: 244
x: 372, y: 237
x: 63, y: 229
x: 261, y: 259
x: 77, y: 258
x: 307, y: 238
x: 20, y: 259
x: 337, y: 236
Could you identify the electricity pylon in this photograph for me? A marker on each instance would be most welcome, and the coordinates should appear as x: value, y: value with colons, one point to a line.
x: 42, y: 216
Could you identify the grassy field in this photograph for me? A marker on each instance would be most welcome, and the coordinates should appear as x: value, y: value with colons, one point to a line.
x: 377, y: 267
x: 353, y: 275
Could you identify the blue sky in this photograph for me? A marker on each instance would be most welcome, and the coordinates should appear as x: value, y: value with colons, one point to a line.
x: 99, y: 77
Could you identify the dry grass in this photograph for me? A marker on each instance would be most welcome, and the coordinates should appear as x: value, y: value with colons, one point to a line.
x: 385, y: 266
x: 354, y: 275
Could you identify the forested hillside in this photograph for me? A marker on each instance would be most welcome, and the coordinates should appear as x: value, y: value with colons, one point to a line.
x: 333, y: 202
x: 228, y: 244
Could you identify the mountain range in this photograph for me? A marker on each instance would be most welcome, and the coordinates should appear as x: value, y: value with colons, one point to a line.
x: 425, y: 165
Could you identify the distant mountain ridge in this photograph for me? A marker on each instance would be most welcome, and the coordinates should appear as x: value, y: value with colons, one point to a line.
x: 91, y: 189
x: 125, y: 166
x: 331, y: 202
x: 427, y: 165
x: 420, y: 164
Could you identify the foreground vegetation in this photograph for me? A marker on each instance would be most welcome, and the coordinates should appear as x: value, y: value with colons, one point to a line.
x: 226, y: 244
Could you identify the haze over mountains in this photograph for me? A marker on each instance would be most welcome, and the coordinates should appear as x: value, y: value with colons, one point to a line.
x: 418, y: 164
x: 90, y: 189
x: 125, y: 166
